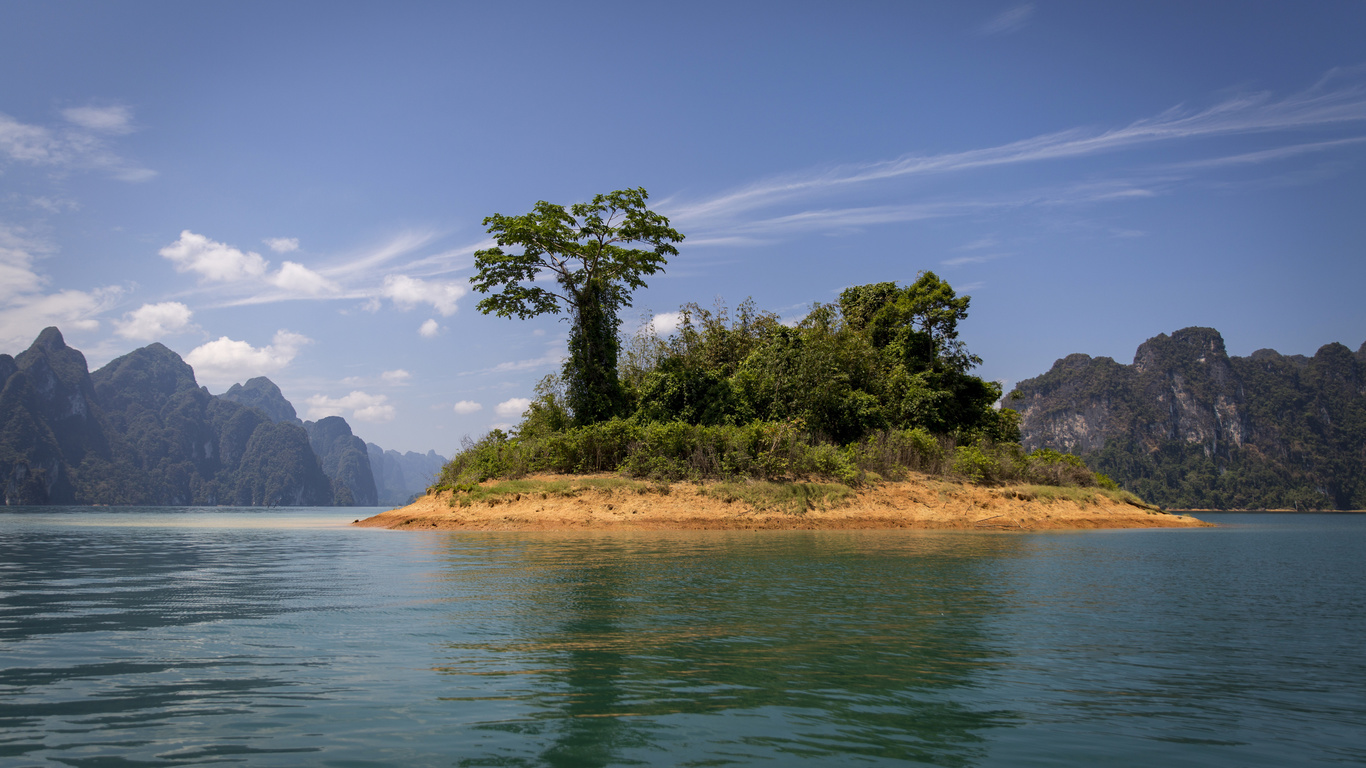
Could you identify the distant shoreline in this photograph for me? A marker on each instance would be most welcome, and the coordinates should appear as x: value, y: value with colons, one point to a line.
x: 603, y: 502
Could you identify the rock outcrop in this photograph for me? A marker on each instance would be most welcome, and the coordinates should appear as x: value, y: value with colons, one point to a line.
x: 1187, y: 425
x: 344, y: 459
x: 262, y: 393
x: 141, y: 431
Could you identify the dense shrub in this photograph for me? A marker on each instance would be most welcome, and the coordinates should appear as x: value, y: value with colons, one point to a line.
x: 876, y: 386
x: 674, y: 451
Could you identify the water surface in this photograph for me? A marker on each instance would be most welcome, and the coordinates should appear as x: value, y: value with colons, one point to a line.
x: 169, y: 637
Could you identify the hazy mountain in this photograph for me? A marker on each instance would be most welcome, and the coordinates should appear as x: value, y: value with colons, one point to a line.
x: 401, y: 476
x: 344, y: 459
x: 141, y: 431
x: 1186, y: 425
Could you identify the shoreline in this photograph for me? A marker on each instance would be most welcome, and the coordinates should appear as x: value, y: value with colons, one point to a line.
x: 602, y: 502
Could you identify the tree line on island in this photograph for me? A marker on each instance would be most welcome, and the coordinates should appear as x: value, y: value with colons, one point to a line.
x: 874, y: 386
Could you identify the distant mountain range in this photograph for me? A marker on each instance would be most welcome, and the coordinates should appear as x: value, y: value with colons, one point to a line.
x: 140, y: 430
x: 1189, y: 427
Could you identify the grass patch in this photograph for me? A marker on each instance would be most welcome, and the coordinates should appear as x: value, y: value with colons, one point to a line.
x: 792, y: 498
x: 513, y: 490
x: 1091, y: 495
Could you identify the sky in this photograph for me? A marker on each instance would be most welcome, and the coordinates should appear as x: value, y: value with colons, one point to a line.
x: 296, y: 190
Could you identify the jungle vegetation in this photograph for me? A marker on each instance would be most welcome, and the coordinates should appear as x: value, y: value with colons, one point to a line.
x: 875, y: 386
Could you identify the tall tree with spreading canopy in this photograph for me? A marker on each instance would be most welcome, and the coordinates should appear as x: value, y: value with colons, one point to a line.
x: 588, y: 267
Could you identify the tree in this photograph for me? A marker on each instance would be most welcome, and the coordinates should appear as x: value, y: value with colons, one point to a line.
x: 586, y: 252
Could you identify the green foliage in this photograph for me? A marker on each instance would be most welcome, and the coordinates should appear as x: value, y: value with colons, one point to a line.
x: 768, y: 451
x: 876, y: 386
x: 466, y: 494
x: 584, y: 250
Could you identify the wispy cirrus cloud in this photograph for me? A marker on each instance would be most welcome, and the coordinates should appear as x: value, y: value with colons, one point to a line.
x: 754, y: 211
x: 80, y: 142
x: 1008, y: 21
x: 1268, y: 155
x: 26, y: 308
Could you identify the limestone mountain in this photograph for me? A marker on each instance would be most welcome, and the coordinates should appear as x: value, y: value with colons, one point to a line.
x: 262, y: 393
x: 1188, y: 426
x: 141, y: 431
x: 344, y: 459
x: 401, y: 476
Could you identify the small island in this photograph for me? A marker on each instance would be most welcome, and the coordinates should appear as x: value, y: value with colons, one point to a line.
x: 613, y: 503
x: 861, y: 414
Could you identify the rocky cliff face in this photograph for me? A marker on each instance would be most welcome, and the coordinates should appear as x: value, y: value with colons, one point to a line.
x: 262, y: 393
x: 401, y: 476
x: 345, y: 459
x: 49, y: 422
x: 1188, y: 425
x: 141, y: 431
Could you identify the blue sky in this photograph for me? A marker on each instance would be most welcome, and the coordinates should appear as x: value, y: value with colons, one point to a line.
x: 295, y: 189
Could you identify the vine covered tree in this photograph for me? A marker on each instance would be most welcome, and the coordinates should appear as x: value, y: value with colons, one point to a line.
x: 588, y: 260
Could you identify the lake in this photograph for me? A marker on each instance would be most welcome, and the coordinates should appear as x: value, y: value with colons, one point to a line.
x: 156, y: 637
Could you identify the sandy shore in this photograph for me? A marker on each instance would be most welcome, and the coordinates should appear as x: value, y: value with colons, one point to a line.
x: 918, y: 503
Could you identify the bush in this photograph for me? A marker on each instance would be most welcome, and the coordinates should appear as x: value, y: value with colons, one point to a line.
x: 759, y: 450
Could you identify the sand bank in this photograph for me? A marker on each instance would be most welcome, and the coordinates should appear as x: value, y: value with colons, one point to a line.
x: 575, y: 503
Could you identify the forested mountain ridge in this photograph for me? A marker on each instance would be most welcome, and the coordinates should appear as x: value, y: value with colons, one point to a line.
x: 345, y: 459
x: 262, y: 393
x: 141, y: 431
x: 1188, y: 426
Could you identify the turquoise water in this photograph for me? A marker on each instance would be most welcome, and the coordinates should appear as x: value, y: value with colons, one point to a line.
x: 171, y: 637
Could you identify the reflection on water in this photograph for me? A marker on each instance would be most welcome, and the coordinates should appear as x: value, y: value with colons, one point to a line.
x: 169, y: 638
x: 626, y: 646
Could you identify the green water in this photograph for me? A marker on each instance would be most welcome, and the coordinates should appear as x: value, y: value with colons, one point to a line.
x: 166, y: 637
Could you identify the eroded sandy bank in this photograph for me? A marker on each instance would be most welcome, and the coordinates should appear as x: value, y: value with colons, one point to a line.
x: 918, y: 503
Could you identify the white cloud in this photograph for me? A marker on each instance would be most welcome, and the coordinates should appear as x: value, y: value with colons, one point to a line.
x: 227, y: 361
x: 1008, y: 21
x: 552, y: 357
x: 980, y: 243
x: 407, y: 292
x: 359, y: 405
x: 24, y: 317
x: 112, y: 119
x: 282, y: 244
x: 220, y: 262
x: 429, y: 329
x: 512, y: 407
x: 958, y: 261
x: 77, y: 146
x: 213, y: 260
x: 296, y: 278
x: 17, y: 253
x: 466, y: 407
x: 153, y: 321
x: 398, y: 376
x: 26, y: 309
x: 666, y: 323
